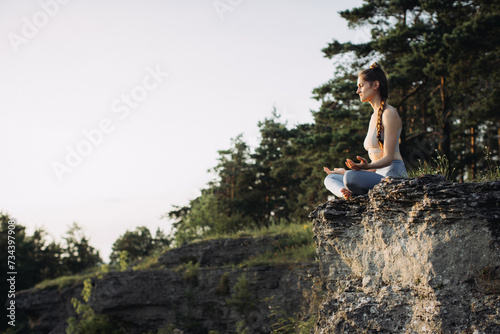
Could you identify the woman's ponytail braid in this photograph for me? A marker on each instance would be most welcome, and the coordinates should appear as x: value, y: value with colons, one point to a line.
x: 379, y: 125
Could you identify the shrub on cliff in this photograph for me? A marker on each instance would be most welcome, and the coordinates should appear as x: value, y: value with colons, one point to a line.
x: 87, y: 321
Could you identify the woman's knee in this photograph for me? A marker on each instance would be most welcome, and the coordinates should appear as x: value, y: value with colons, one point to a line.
x: 352, y: 182
x: 349, y: 178
x: 359, y: 182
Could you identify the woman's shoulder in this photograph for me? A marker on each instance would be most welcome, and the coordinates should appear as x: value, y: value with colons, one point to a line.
x: 390, y: 109
x: 390, y: 114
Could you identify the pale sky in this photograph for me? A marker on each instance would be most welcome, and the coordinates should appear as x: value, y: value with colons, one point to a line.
x: 113, y: 111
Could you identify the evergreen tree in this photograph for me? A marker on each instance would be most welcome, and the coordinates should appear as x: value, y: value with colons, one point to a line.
x: 233, y: 187
x: 35, y: 259
x: 78, y: 254
x: 138, y: 244
x: 437, y: 53
x: 229, y: 202
x: 274, y: 170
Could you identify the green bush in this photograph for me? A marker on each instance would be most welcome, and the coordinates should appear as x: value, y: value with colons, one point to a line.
x: 87, y: 321
x: 149, y: 262
x: 123, y: 260
x: 189, y: 271
x: 223, y: 288
x: 241, y: 299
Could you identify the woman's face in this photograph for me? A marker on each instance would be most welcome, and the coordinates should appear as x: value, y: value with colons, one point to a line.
x: 366, y: 91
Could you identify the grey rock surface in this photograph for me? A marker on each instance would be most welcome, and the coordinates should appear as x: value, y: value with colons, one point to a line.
x: 146, y: 300
x: 47, y: 309
x: 195, y: 298
x: 413, y: 256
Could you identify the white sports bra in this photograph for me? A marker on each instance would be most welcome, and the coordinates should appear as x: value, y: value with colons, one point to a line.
x: 371, y: 141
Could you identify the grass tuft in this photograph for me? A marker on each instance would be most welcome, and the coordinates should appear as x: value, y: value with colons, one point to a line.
x: 492, y: 173
x: 441, y: 166
x: 438, y: 166
x: 297, y: 246
x: 283, y: 256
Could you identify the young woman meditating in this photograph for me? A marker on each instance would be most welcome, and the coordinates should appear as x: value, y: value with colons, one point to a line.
x: 381, y: 142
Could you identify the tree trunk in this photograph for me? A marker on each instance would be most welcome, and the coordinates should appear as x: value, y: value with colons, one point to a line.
x: 445, y: 143
x: 472, y: 151
x: 498, y: 130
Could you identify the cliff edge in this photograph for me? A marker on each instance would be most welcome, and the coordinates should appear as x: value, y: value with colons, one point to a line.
x: 195, y: 288
x: 413, y: 256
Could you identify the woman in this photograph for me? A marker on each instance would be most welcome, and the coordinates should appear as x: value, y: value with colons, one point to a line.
x: 381, y: 142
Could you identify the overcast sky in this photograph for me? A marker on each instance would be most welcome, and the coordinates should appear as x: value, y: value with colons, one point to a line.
x: 113, y: 111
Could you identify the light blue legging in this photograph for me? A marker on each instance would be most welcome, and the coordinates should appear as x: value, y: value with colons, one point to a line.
x: 359, y: 181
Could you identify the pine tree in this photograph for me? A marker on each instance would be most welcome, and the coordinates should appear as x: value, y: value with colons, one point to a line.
x: 437, y: 54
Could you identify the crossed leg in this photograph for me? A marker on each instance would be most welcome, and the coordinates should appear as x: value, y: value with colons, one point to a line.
x: 335, y: 183
x: 351, y: 183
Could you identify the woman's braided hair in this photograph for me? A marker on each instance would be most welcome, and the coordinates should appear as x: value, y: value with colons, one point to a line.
x: 375, y: 73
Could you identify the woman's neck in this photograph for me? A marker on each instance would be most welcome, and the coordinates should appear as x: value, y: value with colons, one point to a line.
x: 376, y: 102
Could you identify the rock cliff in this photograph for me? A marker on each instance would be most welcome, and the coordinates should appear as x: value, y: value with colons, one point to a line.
x: 194, y: 288
x: 413, y: 256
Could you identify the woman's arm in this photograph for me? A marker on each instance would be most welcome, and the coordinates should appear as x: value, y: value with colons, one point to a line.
x: 391, y: 123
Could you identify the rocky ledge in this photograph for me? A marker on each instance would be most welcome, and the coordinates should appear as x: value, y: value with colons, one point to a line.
x: 196, y: 288
x: 413, y: 256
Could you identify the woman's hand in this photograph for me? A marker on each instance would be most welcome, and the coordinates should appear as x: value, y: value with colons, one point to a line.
x: 334, y: 171
x: 357, y: 166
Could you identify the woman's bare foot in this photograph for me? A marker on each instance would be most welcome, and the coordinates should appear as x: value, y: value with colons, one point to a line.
x: 347, y: 194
